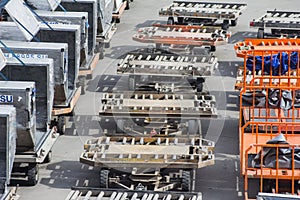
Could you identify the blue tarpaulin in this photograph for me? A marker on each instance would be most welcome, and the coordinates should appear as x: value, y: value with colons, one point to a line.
x: 277, y: 64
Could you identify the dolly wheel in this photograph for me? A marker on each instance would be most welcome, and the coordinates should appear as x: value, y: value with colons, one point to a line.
x: 104, y: 178
x: 260, y: 33
x: 32, y: 174
x: 61, y: 125
x: 48, y: 158
x: 170, y: 21
x: 233, y: 22
x: 186, y: 181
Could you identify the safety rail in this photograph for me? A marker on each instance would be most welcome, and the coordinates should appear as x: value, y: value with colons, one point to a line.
x: 277, y: 172
x: 267, y: 58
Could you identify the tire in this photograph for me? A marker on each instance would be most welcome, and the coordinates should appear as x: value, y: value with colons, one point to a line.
x: 180, y: 20
x: 192, y: 127
x: 131, y: 83
x: 225, y: 26
x: 127, y: 5
x: 107, y: 45
x: 104, y: 178
x: 48, y: 158
x: 199, y: 84
x: 212, y: 48
x: 170, y: 21
x: 118, y: 20
x: 120, y: 126
x: 233, y: 22
x: 186, y: 184
x: 101, y: 55
x: 260, y: 33
x: 32, y: 174
x: 61, y: 125
x: 253, y: 187
x: 82, y: 84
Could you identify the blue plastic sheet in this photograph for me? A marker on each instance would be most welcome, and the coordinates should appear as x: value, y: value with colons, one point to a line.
x: 277, y: 64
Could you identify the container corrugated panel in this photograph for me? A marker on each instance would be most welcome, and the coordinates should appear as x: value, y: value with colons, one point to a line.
x: 44, y: 4
x: 10, y: 31
x: 8, y: 135
x: 21, y: 95
x: 89, y: 6
x: 69, y: 34
x: 75, y: 18
x: 105, y: 10
x: 61, y: 33
x: 41, y: 50
x: 41, y: 72
x: 2, y: 60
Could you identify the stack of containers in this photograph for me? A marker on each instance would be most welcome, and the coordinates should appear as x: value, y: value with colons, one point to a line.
x: 269, y: 116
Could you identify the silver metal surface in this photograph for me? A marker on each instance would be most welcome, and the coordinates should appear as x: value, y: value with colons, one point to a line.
x: 41, y: 50
x: 22, y: 96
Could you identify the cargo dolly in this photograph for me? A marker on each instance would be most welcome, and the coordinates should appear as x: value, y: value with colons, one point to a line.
x: 162, y: 70
x: 152, y: 114
x: 148, y: 163
x: 198, y: 13
x: 180, y: 35
x: 261, y: 59
x: 88, y: 193
x: 277, y: 23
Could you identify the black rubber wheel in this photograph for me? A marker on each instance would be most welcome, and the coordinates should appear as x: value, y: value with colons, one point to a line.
x: 225, y: 25
x: 199, y: 84
x: 131, y: 83
x: 192, y: 127
x: 48, y: 158
x: 120, y: 126
x: 101, y: 55
x: 233, y: 22
x: 107, y: 45
x: 212, y: 48
x: 118, y: 20
x: 260, y: 33
x: 82, y: 80
x: 127, y: 5
x: 253, y: 188
x: 170, y: 21
x: 104, y: 178
x: 186, y: 181
x: 180, y: 20
x: 32, y: 174
x: 61, y: 125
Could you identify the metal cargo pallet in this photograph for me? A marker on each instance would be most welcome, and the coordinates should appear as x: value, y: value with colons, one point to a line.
x: 148, y: 163
x: 175, y: 105
x: 182, y: 35
x: 156, y: 62
x: 187, y: 11
x: 87, y: 193
x: 153, y: 152
x: 281, y: 23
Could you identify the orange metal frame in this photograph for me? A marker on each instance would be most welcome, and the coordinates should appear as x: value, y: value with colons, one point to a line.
x: 251, y: 48
x: 272, y: 121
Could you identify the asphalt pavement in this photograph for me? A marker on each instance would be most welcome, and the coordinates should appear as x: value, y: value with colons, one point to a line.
x: 221, y: 181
